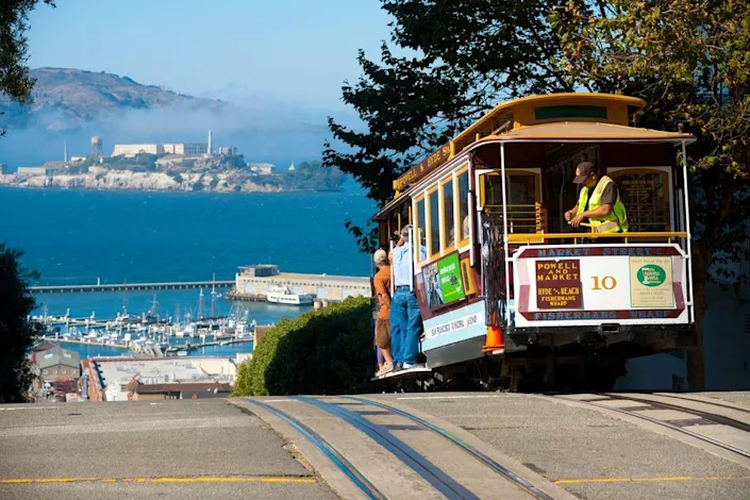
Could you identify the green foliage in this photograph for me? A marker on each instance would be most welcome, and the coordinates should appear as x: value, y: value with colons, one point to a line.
x: 214, y: 182
x: 690, y: 61
x: 328, y: 351
x: 176, y: 176
x: 197, y: 185
x: 15, y: 330
x: 15, y: 81
x: 471, y: 54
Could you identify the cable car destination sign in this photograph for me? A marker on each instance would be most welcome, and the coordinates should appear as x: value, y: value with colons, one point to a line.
x: 424, y: 167
x: 580, y: 285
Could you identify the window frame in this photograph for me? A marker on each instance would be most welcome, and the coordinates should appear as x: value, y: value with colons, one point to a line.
x: 668, y: 185
x: 537, y: 172
x: 431, y: 253
x: 464, y: 242
x: 422, y: 197
x: 445, y: 246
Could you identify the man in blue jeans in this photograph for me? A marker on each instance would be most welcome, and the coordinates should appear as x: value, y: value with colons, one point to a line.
x: 405, y: 319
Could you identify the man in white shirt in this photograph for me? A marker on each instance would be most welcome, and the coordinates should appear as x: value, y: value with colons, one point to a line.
x: 405, y: 318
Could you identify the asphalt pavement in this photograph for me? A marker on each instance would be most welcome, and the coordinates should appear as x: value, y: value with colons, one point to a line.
x: 396, y: 445
x: 141, y: 450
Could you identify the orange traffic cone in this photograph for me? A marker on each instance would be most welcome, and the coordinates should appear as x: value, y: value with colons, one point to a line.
x: 494, y: 340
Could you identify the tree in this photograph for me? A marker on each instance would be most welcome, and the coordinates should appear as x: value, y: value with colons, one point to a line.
x: 15, y: 81
x: 687, y: 59
x: 472, y: 54
x: 16, y: 332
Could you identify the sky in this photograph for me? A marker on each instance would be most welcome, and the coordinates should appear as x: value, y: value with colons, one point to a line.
x: 294, y: 51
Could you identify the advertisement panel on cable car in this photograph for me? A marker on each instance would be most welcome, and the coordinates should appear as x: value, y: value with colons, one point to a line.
x: 595, y: 284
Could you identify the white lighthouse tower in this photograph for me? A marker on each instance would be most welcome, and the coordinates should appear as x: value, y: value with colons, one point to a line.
x: 210, y: 142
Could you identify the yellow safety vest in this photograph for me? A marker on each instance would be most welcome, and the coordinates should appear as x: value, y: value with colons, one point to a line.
x: 616, y: 221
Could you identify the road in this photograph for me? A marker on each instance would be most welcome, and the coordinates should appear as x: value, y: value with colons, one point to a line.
x: 439, y: 445
x: 140, y: 450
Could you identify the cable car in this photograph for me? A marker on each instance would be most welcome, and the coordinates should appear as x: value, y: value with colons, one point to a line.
x: 509, y: 293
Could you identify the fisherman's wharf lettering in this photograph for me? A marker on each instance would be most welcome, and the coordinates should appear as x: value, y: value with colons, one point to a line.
x: 558, y: 284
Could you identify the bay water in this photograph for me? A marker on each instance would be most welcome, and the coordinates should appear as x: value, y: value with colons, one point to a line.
x: 80, y: 236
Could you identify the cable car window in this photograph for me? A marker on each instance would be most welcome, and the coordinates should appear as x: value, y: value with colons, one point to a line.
x: 463, y: 204
x: 434, y: 229
x: 421, y: 225
x: 523, y: 209
x: 448, y: 215
x: 645, y: 194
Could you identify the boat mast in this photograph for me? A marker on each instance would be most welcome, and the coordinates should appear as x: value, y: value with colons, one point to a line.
x: 200, y: 305
x: 213, y: 297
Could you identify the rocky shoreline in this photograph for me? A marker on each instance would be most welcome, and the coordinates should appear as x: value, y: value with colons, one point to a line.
x: 125, y: 180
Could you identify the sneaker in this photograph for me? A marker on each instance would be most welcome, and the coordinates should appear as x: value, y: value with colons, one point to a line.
x: 387, y: 368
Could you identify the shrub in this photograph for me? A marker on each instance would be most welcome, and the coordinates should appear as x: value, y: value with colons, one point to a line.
x: 328, y: 351
x: 176, y: 176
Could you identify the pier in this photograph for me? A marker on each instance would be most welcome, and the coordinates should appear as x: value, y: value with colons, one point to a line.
x: 127, y: 287
x: 253, y: 283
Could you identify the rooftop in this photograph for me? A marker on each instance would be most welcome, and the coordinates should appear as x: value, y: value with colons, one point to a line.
x: 56, y: 357
x: 119, y: 371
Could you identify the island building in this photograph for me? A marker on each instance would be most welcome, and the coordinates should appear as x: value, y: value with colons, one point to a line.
x: 49, y: 168
x: 186, y: 149
x: 255, y: 282
x: 262, y: 168
x: 131, y: 379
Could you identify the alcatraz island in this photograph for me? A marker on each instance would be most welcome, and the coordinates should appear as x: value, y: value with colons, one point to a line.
x: 172, y: 167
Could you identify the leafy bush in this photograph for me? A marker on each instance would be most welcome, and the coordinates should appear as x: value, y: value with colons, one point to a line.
x: 328, y: 351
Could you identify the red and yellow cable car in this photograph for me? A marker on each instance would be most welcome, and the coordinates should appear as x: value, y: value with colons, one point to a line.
x: 508, y: 290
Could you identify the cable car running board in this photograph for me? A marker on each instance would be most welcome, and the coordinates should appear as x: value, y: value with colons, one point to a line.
x: 417, y: 370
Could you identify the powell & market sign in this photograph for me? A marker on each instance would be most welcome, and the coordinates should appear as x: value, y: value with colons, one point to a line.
x: 424, y: 167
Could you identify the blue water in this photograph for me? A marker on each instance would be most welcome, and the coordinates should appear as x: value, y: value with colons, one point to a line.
x: 77, y: 236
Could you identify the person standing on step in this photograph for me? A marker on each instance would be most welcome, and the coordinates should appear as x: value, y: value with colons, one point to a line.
x: 382, y: 284
x: 406, y: 321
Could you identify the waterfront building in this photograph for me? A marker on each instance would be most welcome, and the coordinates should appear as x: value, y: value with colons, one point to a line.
x: 31, y: 171
x: 39, y: 349
x: 193, y: 148
x: 255, y: 282
x: 262, y: 168
x: 131, y: 150
x: 58, y: 363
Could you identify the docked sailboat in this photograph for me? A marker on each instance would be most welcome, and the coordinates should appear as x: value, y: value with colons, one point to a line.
x: 282, y: 295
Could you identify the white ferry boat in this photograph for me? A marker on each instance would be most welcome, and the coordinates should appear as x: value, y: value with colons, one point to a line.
x: 282, y: 295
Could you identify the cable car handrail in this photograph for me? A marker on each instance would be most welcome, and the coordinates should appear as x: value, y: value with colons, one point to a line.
x: 540, y: 237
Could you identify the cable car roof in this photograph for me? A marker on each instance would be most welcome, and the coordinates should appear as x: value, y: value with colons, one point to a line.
x: 579, y: 131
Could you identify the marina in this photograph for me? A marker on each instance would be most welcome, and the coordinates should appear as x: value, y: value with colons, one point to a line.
x: 149, y: 334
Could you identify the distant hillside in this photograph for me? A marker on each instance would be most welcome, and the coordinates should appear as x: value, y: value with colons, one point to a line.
x: 65, y: 99
x: 71, y: 105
